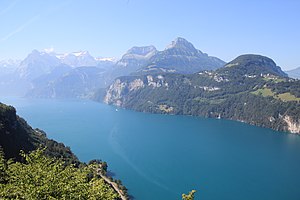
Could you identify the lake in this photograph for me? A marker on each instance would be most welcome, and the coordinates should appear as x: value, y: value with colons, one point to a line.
x: 163, y: 156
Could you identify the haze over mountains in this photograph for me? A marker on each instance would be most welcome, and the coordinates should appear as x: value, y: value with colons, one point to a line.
x: 181, y: 57
x: 47, y: 74
x: 78, y: 75
x: 178, y: 80
x: 294, y: 73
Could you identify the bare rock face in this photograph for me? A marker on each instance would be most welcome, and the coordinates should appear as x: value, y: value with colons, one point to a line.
x: 114, y: 93
x: 118, y: 91
x: 136, y: 84
x: 292, y: 125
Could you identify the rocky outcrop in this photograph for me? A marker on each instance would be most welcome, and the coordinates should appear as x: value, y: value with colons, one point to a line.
x: 156, y: 82
x: 116, y: 93
x: 293, y: 126
x: 136, y: 84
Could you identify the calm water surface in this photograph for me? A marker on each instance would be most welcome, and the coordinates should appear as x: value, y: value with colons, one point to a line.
x: 160, y: 157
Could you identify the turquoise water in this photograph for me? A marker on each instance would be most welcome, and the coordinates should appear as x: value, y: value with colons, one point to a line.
x: 160, y: 157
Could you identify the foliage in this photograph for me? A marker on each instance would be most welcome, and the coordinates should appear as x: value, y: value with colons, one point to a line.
x: 189, y: 196
x: 265, y: 92
x: 288, y: 97
x: 254, y: 64
x: 42, y: 177
x: 3, y: 167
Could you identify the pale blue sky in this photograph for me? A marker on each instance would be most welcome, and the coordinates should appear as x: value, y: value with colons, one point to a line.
x: 223, y: 28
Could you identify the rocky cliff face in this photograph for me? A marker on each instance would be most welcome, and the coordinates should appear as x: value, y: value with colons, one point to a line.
x: 114, y: 94
x: 117, y: 93
x: 292, y: 125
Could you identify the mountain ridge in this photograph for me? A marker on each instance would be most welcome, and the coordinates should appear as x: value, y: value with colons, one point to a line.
x: 181, y: 57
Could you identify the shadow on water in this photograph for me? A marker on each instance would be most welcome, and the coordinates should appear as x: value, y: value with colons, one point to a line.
x: 131, y: 197
x: 110, y: 173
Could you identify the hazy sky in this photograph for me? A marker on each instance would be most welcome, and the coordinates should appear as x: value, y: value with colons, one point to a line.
x: 223, y: 28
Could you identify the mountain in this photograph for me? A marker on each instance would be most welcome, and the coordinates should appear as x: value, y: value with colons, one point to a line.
x: 77, y: 59
x: 77, y: 75
x: 135, y: 54
x: 8, y: 66
x: 17, y: 80
x: 16, y: 135
x: 251, y: 64
x: 134, y: 59
x: 56, y: 73
x: 10, y: 83
x: 43, y: 73
x: 36, y: 64
x: 181, y: 57
x: 294, y: 73
x: 251, y: 88
x: 80, y: 82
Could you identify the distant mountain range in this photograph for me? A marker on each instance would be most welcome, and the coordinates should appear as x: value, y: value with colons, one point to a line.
x: 251, y: 88
x: 77, y: 59
x: 8, y: 66
x: 79, y: 75
x: 294, y: 73
x: 43, y: 74
x: 80, y: 82
x: 177, y: 80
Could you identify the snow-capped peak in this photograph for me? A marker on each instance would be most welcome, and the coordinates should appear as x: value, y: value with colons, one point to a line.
x: 108, y: 59
x: 48, y: 50
x: 76, y: 54
x: 80, y: 53
x: 77, y: 59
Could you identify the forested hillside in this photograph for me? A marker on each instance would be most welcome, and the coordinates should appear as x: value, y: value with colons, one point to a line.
x: 251, y: 89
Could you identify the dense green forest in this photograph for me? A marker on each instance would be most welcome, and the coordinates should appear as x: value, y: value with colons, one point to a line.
x: 42, y: 177
x: 251, y: 89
